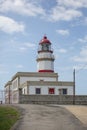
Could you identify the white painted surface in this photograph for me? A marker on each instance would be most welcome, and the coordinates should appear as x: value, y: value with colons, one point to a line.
x: 24, y: 90
x: 45, y: 55
x: 15, y: 94
x: 24, y: 79
x: 15, y: 97
x: 15, y: 84
x: 45, y: 89
x: 45, y: 65
x: 7, y: 89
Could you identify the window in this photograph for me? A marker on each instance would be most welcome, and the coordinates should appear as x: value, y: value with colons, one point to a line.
x: 51, y: 91
x: 38, y: 91
x: 64, y: 91
x: 45, y: 47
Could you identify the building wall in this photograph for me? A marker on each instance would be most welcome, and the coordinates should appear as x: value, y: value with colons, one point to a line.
x: 8, y: 94
x: 53, y: 99
x: 45, y: 89
x: 7, y: 88
x: 30, y: 87
x: 20, y: 80
x: 25, y: 90
x: 15, y: 84
x: 45, y: 65
x: 24, y: 79
x: 15, y: 94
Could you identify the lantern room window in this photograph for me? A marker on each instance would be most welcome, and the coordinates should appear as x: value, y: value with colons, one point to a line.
x: 51, y: 91
x: 44, y: 47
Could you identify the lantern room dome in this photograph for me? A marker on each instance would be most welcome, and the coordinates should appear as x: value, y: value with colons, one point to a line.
x: 45, y: 40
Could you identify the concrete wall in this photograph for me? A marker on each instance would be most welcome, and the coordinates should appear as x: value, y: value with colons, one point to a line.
x: 15, y: 84
x: 24, y: 79
x: 15, y: 97
x: 45, y: 89
x: 8, y: 93
x: 52, y: 99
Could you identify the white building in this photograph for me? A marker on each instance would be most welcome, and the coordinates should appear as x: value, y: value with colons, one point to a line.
x: 43, y: 82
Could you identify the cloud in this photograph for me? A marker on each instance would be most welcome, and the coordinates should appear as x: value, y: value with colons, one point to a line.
x: 8, y: 25
x: 62, y: 50
x: 65, y: 68
x: 4, y: 72
x: 26, y: 46
x: 80, y: 67
x: 3, y: 69
x: 73, y: 3
x: 65, y: 14
x: 63, y: 32
x: 83, y: 40
x: 19, y: 66
x: 23, y: 7
x: 82, y: 57
x: 30, y: 45
x: 85, y: 20
x: 59, y: 51
x: 67, y: 10
x: 23, y: 49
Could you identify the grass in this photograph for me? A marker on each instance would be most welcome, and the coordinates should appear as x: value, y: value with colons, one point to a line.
x: 8, y: 117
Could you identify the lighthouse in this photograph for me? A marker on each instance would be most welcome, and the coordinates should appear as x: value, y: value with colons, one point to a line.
x: 45, y: 58
x: 44, y: 82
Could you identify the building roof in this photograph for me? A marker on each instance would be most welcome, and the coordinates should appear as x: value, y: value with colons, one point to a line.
x: 34, y: 74
x: 45, y: 40
x: 49, y: 83
x: 8, y: 83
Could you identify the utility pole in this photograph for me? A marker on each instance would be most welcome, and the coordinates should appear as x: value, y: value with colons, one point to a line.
x: 74, y: 87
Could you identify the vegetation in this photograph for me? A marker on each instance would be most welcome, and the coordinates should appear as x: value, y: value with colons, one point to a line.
x: 8, y: 116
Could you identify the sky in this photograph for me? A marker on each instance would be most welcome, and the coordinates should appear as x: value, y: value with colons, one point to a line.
x: 23, y: 23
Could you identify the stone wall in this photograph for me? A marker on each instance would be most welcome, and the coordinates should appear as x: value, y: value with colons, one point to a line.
x: 53, y: 99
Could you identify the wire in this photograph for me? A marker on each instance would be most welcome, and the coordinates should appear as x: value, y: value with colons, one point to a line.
x: 81, y: 68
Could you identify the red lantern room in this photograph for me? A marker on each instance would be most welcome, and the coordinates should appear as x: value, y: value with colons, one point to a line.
x: 45, y: 40
x: 45, y: 45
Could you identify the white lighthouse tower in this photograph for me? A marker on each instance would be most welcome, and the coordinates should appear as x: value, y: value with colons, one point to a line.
x: 45, y: 58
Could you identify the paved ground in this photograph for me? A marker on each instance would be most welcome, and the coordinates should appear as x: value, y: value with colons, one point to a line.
x: 39, y: 117
x: 79, y: 111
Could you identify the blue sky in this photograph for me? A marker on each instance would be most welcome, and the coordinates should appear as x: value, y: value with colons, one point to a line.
x: 23, y: 24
